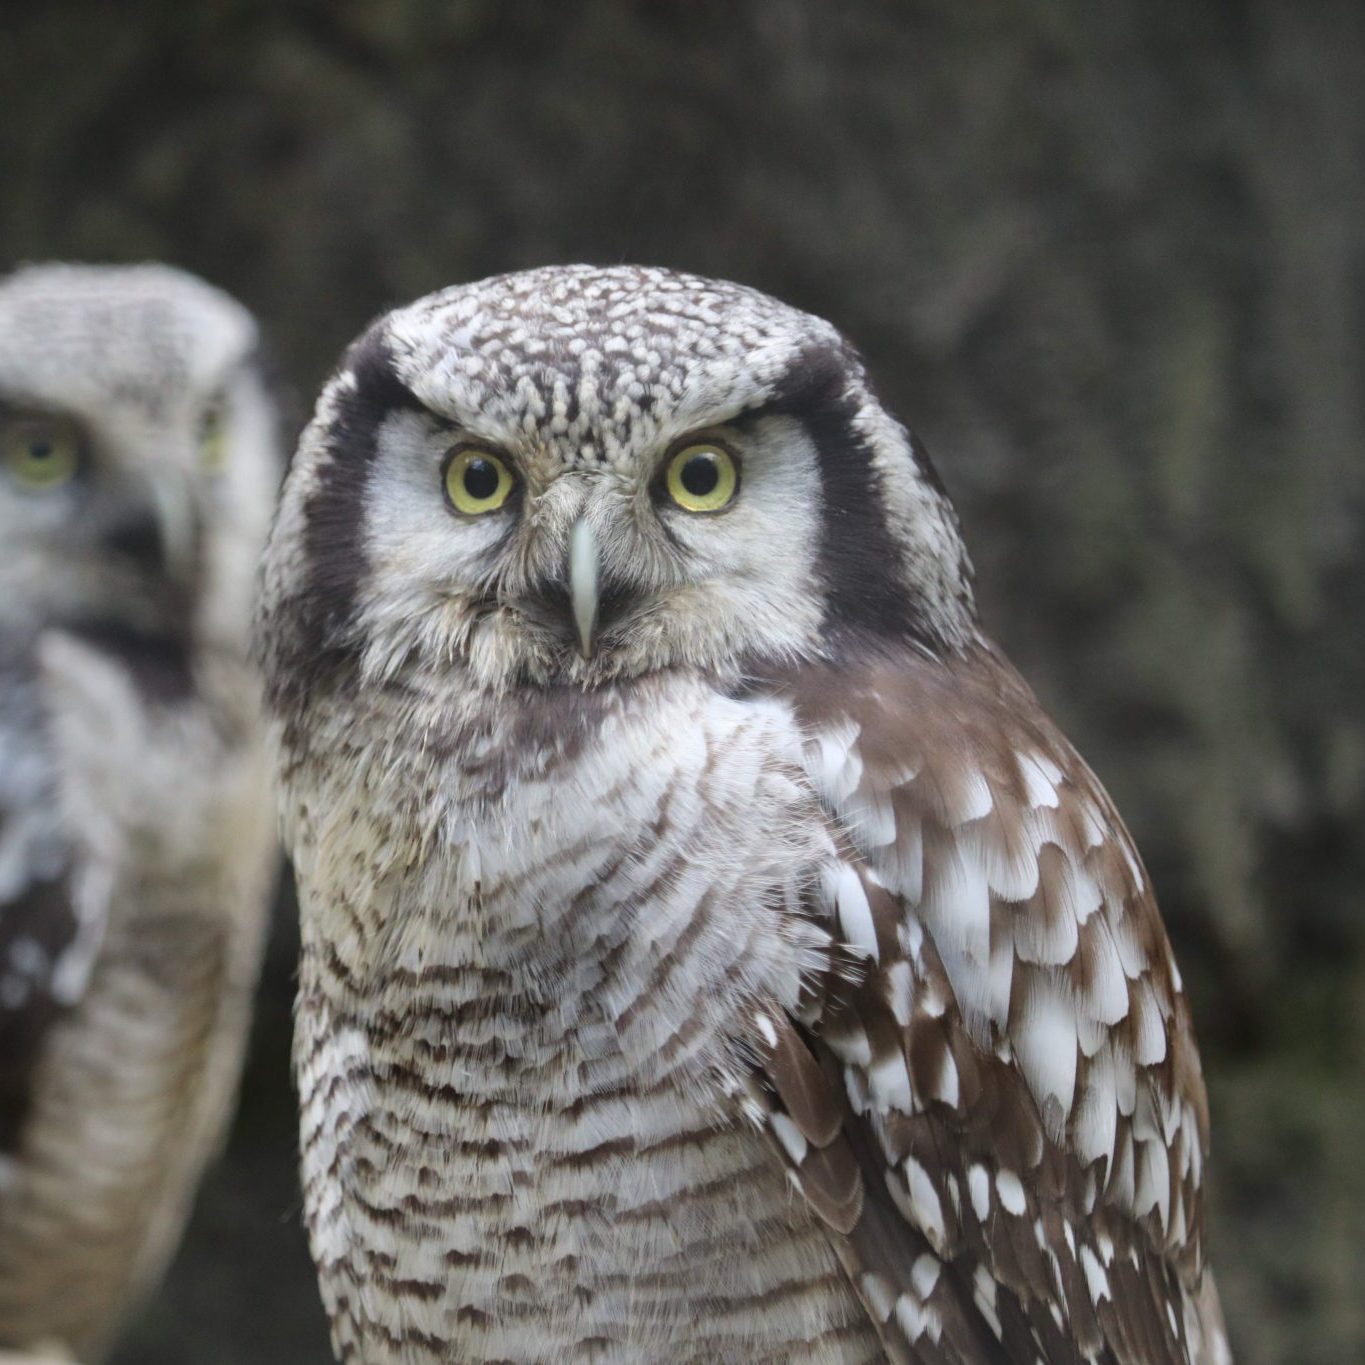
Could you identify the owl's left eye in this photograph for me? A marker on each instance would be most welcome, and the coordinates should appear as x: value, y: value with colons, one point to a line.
x: 477, y: 481
x: 40, y: 453
x: 213, y: 445
x: 702, y: 477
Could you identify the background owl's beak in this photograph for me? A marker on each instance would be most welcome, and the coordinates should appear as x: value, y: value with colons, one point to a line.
x: 155, y: 526
x: 583, y: 592
x: 178, y: 523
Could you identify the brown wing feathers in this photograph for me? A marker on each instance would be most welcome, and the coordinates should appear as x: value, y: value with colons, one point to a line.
x: 1010, y: 1072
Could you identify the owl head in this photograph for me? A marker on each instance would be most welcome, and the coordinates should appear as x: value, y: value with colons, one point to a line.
x: 138, y: 454
x: 573, y: 477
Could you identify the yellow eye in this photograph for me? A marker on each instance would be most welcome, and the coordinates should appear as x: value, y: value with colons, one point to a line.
x: 40, y: 453
x: 702, y: 478
x: 213, y: 445
x: 477, y: 481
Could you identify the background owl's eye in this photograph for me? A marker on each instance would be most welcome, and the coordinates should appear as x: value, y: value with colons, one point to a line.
x: 702, y: 478
x: 213, y: 440
x: 40, y: 453
x: 478, y: 481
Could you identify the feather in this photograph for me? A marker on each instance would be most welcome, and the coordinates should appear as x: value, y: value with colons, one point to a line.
x: 1028, y: 935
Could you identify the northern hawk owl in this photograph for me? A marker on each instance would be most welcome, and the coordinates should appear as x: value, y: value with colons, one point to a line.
x: 138, y: 470
x: 711, y: 952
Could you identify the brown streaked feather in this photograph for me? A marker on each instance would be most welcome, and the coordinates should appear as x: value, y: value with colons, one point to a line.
x: 803, y: 1087
x: 1022, y: 1087
x: 804, y: 1111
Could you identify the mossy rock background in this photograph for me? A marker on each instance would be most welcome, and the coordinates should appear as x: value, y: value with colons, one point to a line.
x: 1107, y: 258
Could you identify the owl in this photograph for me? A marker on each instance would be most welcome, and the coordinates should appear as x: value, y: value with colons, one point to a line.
x: 138, y: 471
x: 711, y: 952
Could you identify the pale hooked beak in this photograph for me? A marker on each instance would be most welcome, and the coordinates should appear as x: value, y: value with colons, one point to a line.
x: 175, y: 516
x: 583, y: 593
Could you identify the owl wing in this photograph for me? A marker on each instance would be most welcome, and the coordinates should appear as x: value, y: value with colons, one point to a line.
x: 992, y: 1094
x: 39, y: 930
x: 54, y: 899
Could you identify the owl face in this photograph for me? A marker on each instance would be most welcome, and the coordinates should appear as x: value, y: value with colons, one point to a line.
x: 137, y: 453
x: 576, y: 476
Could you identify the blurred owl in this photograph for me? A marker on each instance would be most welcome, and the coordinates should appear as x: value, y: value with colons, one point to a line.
x: 711, y: 952
x: 138, y: 468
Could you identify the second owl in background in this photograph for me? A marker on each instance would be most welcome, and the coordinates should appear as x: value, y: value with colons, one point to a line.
x: 138, y: 468
x: 711, y: 952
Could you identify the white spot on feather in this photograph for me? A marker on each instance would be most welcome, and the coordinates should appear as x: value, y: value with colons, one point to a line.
x: 910, y: 934
x: 1096, y: 1280
x: 1086, y: 894
x: 849, y: 1041
x: 977, y: 801
x: 1090, y: 1033
x: 924, y: 1274
x: 790, y: 1136
x: 1149, y: 1042
x: 880, y: 1296
x: 900, y: 1197
x: 1131, y: 953
x: 924, y: 1200
x: 983, y: 1291
x: 872, y: 818
x: 932, y: 999
x: 1049, y: 939
x: 957, y: 909
x: 1011, y: 864
x: 855, y: 1083
x: 900, y: 993
x: 916, y: 1320
x: 903, y: 861
x: 1097, y: 1115
x: 1039, y: 787
x: 1107, y: 988
x: 889, y: 1080
x: 979, y: 1189
x: 1179, y: 1229
x: 1153, y: 1181
x: 947, y: 1088
x: 1011, y: 1191
x: 1000, y: 975
x: 1045, y: 1043
x: 855, y: 914
x: 837, y: 766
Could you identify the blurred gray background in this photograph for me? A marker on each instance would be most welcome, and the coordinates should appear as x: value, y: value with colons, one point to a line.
x: 1108, y: 260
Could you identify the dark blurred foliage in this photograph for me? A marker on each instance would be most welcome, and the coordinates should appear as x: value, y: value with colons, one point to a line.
x: 1108, y: 259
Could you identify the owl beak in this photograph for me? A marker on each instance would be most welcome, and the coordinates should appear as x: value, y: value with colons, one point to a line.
x: 583, y: 592
x: 176, y: 518
x: 155, y: 526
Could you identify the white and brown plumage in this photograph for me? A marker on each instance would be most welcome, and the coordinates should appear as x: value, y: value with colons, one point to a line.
x: 711, y: 951
x: 138, y: 467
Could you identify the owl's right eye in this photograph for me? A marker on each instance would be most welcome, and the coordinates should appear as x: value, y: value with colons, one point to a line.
x: 40, y: 453
x: 477, y: 481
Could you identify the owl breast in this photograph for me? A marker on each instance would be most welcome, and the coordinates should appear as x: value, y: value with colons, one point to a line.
x: 518, y: 1047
